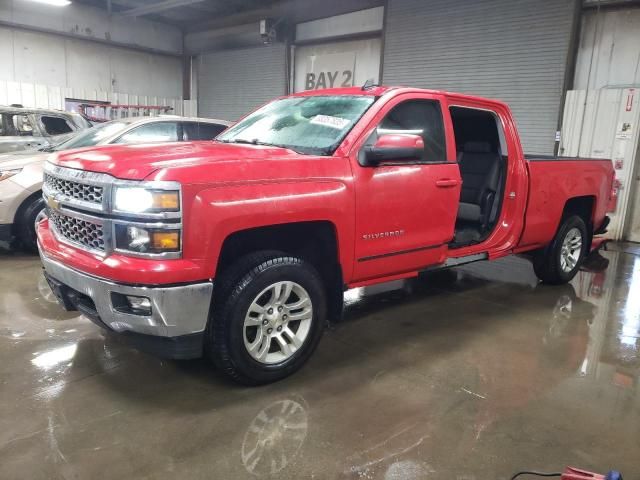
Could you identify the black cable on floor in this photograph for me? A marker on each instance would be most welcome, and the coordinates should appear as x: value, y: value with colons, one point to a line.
x: 537, y: 474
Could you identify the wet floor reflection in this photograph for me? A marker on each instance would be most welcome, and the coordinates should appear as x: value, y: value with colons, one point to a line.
x: 471, y: 373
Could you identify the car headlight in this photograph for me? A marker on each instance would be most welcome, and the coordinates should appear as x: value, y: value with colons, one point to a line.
x: 144, y: 200
x: 4, y: 174
x: 139, y: 239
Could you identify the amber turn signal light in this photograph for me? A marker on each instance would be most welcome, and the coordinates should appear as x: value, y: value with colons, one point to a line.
x: 166, y: 201
x: 165, y: 241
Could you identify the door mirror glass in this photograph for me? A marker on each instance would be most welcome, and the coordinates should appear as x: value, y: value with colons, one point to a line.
x: 402, y: 147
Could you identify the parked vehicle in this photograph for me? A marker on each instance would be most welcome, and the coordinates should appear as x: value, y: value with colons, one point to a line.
x: 241, y: 248
x: 34, y: 128
x: 21, y: 173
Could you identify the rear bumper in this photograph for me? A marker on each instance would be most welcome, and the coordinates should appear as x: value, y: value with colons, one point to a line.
x: 174, y: 329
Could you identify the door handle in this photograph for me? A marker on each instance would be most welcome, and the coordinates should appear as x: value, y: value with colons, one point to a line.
x: 446, y: 183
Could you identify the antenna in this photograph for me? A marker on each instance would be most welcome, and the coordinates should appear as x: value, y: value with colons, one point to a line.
x: 370, y: 83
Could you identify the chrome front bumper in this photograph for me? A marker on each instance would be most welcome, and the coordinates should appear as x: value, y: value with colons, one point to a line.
x: 175, y: 311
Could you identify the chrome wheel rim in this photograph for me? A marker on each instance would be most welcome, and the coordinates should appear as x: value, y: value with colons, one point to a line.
x: 571, y: 250
x: 277, y: 322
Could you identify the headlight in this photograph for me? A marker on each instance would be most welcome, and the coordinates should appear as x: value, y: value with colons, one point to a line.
x: 4, y: 174
x: 139, y: 200
x: 152, y: 240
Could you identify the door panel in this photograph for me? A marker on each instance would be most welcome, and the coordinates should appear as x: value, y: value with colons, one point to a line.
x: 405, y: 212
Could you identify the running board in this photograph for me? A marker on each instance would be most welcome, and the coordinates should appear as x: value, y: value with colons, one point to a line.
x: 457, y: 261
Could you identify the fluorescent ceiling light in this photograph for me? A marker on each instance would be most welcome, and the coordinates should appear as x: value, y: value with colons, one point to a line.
x: 55, y: 3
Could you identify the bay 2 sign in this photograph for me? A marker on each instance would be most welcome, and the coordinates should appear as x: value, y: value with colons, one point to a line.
x: 330, y: 70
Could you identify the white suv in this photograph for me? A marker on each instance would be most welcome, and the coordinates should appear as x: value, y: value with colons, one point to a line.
x: 21, y: 173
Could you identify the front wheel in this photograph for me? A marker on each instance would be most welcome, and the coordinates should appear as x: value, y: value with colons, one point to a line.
x: 268, y: 316
x: 30, y: 213
x: 561, y: 260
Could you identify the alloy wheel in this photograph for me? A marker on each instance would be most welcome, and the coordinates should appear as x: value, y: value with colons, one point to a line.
x: 571, y: 250
x: 277, y: 322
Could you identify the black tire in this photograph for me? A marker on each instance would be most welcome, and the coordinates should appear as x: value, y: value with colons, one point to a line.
x: 235, y: 290
x: 547, y: 262
x: 26, y: 220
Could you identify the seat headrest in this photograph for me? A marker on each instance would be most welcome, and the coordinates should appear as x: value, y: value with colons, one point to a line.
x: 477, y: 147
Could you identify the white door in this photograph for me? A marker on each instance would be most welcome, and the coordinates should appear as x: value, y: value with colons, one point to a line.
x: 604, y: 124
x: 338, y: 64
x: 633, y: 215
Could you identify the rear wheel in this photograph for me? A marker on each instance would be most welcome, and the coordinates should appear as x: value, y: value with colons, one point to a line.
x: 31, y: 212
x: 268, y: 316
x: 561, y: 260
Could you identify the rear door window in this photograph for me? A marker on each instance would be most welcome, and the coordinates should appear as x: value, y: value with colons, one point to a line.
x: 22, y: 125
x: 151, y: 133
x: 201, y: 131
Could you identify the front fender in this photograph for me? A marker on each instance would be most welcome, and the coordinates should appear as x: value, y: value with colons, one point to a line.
x: 220, y: 211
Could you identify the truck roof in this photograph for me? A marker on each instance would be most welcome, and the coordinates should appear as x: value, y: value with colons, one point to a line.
x: 380, y: 90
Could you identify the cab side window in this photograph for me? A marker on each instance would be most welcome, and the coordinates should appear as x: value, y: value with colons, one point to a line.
x: 55, y: 125
x: 200, y: 131
x: 22, y: 125
x: 419, y: 117
x: 151, y: 133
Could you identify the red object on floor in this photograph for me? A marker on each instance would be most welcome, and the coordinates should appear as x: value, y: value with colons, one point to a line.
x: 597, y: 242
x: 571, y: 473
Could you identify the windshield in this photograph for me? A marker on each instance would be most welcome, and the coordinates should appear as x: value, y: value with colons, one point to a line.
x: 92, y: 136
x: 312, y: 125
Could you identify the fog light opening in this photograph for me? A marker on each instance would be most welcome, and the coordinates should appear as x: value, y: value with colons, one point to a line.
x: 131, y: 304
x: 139, y: 305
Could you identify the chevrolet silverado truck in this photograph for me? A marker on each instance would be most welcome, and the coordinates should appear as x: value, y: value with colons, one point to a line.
x: 241, y: 248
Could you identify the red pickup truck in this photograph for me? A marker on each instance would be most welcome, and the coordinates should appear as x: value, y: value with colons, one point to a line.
x: 240, y: 248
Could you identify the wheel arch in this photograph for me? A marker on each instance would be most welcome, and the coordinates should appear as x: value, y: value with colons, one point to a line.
x: 25, y: 204
x: 315, y: 241
x: 583, y: 206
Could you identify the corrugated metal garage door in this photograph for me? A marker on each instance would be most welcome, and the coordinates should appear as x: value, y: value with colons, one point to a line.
x: 233, y: 82
x: 514, y: 50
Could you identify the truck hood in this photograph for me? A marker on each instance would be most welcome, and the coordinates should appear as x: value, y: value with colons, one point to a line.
x: 13, y: 160
x: 138, y: 162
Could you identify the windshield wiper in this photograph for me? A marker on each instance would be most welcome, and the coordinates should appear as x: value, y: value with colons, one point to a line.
x: 250, y: 142
x: 242, y: 140
x: 255, y: 141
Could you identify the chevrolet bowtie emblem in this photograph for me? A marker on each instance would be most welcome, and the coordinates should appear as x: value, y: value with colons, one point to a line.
x: 53, y: 202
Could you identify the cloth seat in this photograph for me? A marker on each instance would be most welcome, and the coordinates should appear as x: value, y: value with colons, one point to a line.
x: 480, y: 172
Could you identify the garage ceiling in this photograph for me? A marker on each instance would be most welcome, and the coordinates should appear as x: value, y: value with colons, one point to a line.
x: 197, y: 15
x: 186, y: 14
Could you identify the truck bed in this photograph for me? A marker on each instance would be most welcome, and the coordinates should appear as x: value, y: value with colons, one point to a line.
x: 553, y: 158
x: 555, y: 180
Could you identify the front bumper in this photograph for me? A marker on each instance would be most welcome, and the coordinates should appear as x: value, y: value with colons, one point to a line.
x: 179, y: 314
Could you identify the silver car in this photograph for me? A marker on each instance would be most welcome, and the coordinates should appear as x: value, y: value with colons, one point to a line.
x: 34, y: 128
x: 21, y: 172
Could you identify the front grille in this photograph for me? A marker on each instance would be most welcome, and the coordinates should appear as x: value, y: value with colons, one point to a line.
x: 73, y: 189
x: 78, y: 231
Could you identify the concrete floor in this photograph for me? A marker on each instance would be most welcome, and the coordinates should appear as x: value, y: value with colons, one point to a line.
x: 472, y: 373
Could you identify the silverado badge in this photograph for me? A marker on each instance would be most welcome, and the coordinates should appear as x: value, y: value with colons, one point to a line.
x: 378, y: 235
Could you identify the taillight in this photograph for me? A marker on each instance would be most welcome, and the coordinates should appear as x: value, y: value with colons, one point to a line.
x: 616, y: 186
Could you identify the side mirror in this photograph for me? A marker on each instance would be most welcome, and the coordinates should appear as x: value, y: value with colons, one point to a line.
x: 394, y: 147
